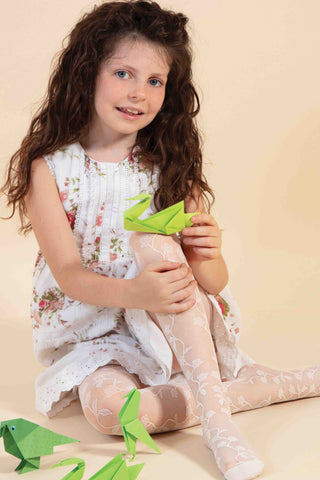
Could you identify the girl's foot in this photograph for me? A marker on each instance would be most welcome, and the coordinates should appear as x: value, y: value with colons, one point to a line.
x: 234, y: 456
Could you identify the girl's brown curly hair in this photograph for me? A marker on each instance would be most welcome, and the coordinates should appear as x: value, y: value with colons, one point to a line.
x: 172, y: 140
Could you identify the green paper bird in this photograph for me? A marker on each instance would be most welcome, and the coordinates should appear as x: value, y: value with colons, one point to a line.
x: 117, y: 469
x: 28, y: 441
x: 131, y: 426
x: 77, y: 472
x: 168, y: 221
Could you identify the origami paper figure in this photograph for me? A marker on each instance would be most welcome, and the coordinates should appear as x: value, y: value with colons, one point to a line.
x: 28, y: 441
x: 77, y: 472
x: 168, y: 221
x: 131, y: 426
x: 117, y: 469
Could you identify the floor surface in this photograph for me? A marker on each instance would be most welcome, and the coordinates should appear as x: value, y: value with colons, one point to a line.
x: 285, y: 435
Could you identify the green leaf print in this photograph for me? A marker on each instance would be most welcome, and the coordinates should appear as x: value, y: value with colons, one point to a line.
x: 116, y: 245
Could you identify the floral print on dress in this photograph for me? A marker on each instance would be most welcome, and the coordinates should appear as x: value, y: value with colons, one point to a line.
x: 229, y: 317
x: 90, y: 165
x: 100, y: 216
x: 116, y: 246
x: 224, y: 307
x: 49, y: 306
x: 69, y: 197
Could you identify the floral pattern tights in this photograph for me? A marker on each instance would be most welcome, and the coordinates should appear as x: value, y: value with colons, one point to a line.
x: 197, y: 394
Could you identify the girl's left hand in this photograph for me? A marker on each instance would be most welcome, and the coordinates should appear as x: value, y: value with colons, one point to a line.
x: 202, y: 241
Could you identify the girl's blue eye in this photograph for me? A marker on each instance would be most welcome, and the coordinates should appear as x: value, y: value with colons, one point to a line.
x: 123, y: 73
x: 155, y: 79
x: 13, y: 427
x: 120, y: 72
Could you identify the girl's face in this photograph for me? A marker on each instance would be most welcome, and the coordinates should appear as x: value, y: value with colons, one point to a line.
x: 133, y: 78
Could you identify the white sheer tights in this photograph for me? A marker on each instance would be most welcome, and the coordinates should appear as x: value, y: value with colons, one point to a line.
x: 195, y: 395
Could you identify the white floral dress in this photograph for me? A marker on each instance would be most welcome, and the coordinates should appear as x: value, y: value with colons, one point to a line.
x: 71, y: 338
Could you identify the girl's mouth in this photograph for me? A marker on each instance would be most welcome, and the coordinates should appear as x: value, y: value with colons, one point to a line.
x: 129, y: 112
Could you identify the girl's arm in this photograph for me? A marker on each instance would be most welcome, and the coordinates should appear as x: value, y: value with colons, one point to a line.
x: 55, y: 238
x: 160, y: 287
x: 212, y: 275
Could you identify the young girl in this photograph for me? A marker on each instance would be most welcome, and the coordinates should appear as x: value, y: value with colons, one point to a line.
x: 112, y: 309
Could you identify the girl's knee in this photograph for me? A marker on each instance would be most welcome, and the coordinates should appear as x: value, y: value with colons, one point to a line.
x: 101, y: 397
x: 103, y: 414
x: 157, y: 247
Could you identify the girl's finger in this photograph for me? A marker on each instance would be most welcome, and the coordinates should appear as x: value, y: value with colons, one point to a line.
x: 207, y: 253
x: 201, y: 241
x: 204, y: 218
x: 205, y: 231
x: 180, y: 285
x: 184, y: 293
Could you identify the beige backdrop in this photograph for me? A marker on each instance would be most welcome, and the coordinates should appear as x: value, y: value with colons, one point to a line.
x: 258, y: 74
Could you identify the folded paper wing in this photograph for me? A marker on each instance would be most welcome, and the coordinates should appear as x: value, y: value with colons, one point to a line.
x: 132, y: 428
x: 117, y: 469
x: 77, y: 472
x: 168, y: 221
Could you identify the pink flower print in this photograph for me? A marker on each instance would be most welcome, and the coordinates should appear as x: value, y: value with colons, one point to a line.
x: 223, y: 308
x: 56, y: 304
x: 223, y: 305
x: 63, y: 195
x: 87, y: 163
x: 97, y: 241
x: 99, y: 220
x: 50, y: 302
x: 43, y: 304
x: 93, y: 265
x: 36, y: 316
x: 112, y: 256
x: 71, y: 218
x: 38, y: 260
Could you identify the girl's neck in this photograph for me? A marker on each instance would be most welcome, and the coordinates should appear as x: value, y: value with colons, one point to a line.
x: 113, y: 152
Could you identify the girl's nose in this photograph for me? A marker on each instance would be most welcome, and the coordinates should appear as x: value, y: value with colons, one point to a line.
x: 137, y: 91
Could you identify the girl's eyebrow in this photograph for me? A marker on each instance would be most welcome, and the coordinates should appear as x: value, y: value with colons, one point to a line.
x: 152, y: 75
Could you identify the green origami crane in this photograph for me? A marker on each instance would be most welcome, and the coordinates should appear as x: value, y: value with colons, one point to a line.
x: 77, y: 472
x: 28, y: 441
x: 117, y: 469
x: 132, y: 428
x: 168, y: 221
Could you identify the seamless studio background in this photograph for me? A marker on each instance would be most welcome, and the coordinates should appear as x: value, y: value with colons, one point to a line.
x: 257, y: 72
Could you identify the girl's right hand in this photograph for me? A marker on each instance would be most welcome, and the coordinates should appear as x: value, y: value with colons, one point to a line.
x: 162, y: 287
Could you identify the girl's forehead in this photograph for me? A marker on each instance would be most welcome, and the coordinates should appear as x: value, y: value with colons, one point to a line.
x: 139, y: 51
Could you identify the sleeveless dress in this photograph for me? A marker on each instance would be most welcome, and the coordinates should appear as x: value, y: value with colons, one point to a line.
x: 71, y: 338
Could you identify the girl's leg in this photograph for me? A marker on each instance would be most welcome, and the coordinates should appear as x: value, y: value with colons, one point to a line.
x: 162, y: 408
x: 259, y: 385
x: 165, y: 408
x: 189, y: 336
